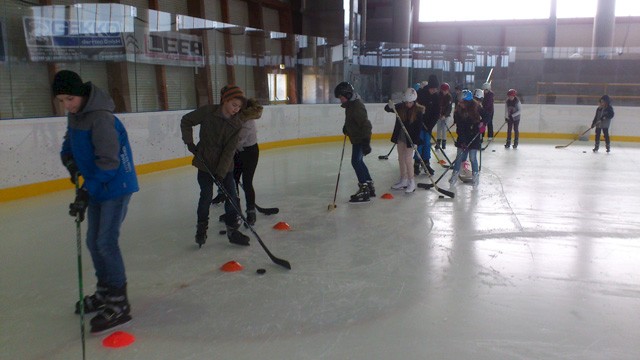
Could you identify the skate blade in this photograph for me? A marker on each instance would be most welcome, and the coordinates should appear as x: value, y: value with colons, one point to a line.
x: 123, y: 323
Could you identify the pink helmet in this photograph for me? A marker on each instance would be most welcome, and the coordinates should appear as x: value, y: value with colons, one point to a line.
x: 512, y: 92
x: 444, y: 86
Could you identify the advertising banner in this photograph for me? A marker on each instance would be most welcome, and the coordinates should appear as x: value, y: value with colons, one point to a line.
x: 51, y: 39
x: 165, y: 48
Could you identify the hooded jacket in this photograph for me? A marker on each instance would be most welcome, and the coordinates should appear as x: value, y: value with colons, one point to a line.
x: 97, y: 142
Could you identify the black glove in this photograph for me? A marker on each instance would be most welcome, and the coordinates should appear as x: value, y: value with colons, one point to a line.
x: 71, y: 166
x: 79, y: 205
x: 366, y: 147
x: 192, y: 148
x: 344, y: 129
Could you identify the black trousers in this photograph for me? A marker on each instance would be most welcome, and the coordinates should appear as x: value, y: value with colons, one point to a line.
x: 245, y: 164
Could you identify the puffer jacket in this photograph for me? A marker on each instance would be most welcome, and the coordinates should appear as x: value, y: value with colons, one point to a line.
x: 98, y: 143
x: 218, y: 135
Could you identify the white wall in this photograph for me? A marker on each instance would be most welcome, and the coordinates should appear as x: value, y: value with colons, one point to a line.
x: 29, y: 148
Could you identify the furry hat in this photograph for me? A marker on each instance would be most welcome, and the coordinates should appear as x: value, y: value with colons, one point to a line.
x: 68, y: 82
x: 433, y: 82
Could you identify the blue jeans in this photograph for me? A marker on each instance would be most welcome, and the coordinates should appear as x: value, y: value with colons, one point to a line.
x: 425, y: 149
x: 105, y: 219
x: 357, y: 161
x: 205, y: 180
x: 461, y: 156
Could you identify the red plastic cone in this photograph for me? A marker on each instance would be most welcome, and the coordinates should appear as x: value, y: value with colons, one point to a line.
x: 387, y: 196
x: 118, y: 339
x: 231, y: 266
x: 282, y: 226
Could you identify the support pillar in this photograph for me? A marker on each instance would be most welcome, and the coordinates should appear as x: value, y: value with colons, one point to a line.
x: 603, y: 29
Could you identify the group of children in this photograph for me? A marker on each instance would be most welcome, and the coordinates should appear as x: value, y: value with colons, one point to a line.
x: 96, y: 147
x: 416, y: 116
x: 428, y: 105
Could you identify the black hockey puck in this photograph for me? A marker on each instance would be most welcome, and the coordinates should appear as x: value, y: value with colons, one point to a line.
x: 584, y: 152
x: 493, y: 151
x: 441, y: 197
x: 222, y: 232
x: 261, y: 271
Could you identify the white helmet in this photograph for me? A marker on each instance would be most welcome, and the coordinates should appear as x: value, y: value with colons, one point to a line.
x: 486, y: 86
x: 409, y: 95
x: 478, y: 94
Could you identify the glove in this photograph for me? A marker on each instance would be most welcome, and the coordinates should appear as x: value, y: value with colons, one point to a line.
x: 391, y: 104
x: 482, y: 127
x: 344, y: 129
x: 71, y: 166
x: 79, y: 205
x: 192, y: 148
x: 366, y: 147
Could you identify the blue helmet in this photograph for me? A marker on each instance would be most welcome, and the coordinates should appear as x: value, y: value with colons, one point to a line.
x: 467, y: 95
x: 416, y: 86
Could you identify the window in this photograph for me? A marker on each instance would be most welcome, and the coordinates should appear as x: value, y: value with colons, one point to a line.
x: 467, y: 10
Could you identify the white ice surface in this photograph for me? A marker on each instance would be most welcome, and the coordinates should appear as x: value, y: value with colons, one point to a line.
x: 540, y: 261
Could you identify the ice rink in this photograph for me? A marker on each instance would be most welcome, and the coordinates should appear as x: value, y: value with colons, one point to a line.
x: 540, y: 261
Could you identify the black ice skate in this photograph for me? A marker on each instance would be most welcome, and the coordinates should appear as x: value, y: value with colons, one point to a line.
x: 116, y: 311
x: 201, y: 233
x: 95, y: 302
x: 362, y: 195
x: 236, y: 237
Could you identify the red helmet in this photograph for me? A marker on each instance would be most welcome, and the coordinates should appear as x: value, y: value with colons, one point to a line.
x: 512, y: 92
x: 444, y: 86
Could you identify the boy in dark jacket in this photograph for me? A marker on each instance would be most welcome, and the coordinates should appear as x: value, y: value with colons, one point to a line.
x: 220, y: 127
x: 358, y: 128
x: 97, y: 148
x: 602, y: 121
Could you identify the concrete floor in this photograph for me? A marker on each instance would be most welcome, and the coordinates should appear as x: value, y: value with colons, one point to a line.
x: 540, y: 261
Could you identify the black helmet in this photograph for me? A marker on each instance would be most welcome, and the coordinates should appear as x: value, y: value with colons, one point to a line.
x: 344, y: 89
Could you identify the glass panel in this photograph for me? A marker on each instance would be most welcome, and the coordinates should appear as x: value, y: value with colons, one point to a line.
x: 151, y: 60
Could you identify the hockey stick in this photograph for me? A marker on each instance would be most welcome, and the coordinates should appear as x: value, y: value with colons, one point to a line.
x: 579, y: 136
x: 281, y: 262
x: 335, y: 194
x: 413, y: 146
x: 443, y: 153
x: 429, y: 186
x: 494, y: 136
x: 450, y: 133
x: 386, y: 157
x: 80, y: 282
x: 268, y: 211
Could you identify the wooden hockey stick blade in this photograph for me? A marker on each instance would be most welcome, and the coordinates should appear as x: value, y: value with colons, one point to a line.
x: 268, y: 211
